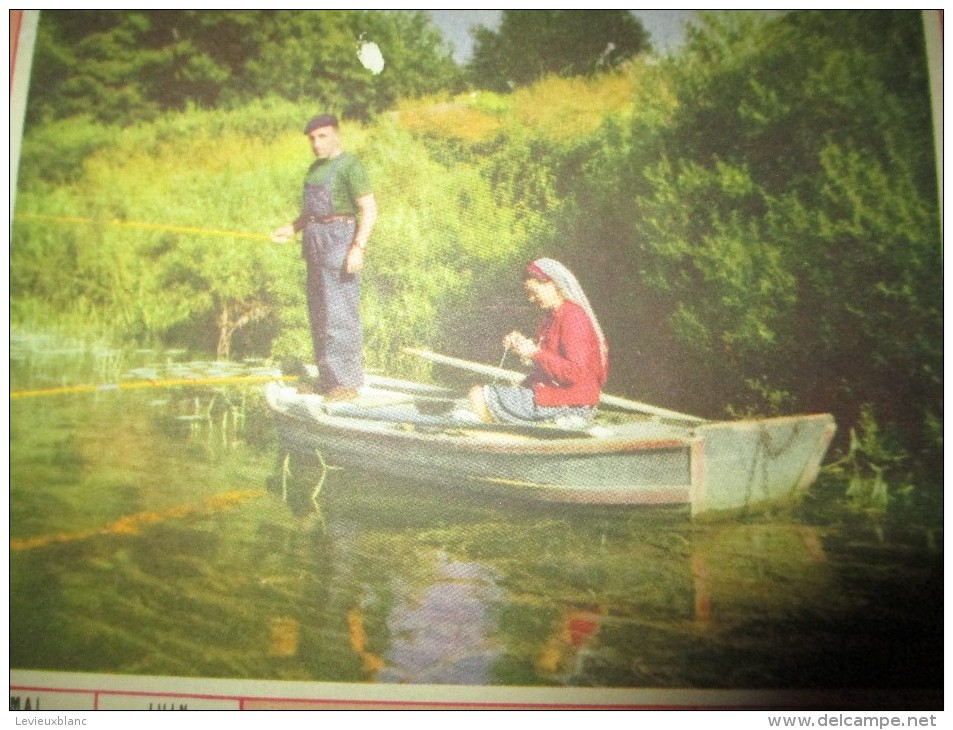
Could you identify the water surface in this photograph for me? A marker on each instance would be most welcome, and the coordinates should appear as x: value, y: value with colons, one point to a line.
x: 161, y: 531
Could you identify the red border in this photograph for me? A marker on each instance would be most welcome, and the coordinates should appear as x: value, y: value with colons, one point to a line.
x: 16, y: 20
x: 391, y: 704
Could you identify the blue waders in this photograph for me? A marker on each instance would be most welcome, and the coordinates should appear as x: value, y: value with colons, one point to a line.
x: 333, y: 295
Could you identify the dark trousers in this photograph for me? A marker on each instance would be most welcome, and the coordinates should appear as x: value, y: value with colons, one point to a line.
x: 334, y: 299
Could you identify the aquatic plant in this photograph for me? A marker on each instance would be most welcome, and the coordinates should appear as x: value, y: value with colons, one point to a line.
x: 873, y: 461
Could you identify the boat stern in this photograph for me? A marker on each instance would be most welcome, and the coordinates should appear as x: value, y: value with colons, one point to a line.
x: 741, y: 464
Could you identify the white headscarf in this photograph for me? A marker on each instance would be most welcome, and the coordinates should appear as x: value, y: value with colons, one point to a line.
x: 570, y: 288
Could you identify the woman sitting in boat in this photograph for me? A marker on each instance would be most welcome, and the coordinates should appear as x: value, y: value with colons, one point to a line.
x: 569, y: 356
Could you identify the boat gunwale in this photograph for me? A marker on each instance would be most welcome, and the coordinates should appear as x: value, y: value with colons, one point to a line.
x: 757, y: 421
x: 567, y: 446
x: 587, y: 444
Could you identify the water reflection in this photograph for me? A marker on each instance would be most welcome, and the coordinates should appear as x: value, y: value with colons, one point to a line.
x: 564, y: 655
x: 444, y: 630
x: 461, y: 591
x: 406, y: 615
x: 147, y: 543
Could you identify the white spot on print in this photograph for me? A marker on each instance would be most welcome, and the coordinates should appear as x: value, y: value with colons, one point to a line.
x: 370, y: 56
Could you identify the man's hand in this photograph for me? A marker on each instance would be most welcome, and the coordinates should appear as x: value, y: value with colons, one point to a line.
x: 283, y: 234
x: 354, y: 261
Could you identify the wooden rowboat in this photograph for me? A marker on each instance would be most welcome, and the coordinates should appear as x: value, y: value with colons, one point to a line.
x: 634, y: 454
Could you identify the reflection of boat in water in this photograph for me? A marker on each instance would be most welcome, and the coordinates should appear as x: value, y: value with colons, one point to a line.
x: 634, y: 454
x: 404, y: 585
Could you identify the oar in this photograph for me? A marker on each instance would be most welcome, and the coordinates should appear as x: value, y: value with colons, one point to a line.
x: 490, y: 371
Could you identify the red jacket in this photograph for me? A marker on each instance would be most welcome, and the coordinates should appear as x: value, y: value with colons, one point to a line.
x: 568, y: 367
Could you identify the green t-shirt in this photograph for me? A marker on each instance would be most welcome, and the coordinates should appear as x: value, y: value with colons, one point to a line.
x: 350, y: 182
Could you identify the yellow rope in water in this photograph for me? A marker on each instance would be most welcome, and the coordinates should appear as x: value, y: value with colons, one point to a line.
x: 131, y: 524
x: 148, y: 226
x: 138, y: 385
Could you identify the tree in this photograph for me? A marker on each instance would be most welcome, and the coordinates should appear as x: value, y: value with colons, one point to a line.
x: 311, y: 56
x: 793, y: 215
x: 533, y: 43
x: 126, y: 66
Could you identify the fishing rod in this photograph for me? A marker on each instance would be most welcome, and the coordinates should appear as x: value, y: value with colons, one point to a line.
x: 145, y: 384
x: 144, y: 226
x: 172, y: 382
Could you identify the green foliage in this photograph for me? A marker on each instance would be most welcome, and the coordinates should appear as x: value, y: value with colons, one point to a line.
x: 55, y: 153
x: 125, y: 66
x: 790, y: 220
x: 715, y: 246
x: 327, y: 73
x: 446, y: 231
x: 129, y: 200
x: 872, y: 468
x: 555, y: 109
x: 531, y: 44
x: 226, y: 175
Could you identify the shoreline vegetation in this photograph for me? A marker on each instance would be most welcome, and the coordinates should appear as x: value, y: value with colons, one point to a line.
x: 756, y: 213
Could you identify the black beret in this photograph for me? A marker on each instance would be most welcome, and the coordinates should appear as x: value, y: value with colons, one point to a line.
x: 325, y: 120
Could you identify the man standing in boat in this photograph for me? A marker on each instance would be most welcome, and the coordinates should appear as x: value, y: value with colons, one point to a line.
x: 338, y: 214
x: 570, y: 356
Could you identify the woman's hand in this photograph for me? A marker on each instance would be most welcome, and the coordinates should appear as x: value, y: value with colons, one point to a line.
x: 522, y: 346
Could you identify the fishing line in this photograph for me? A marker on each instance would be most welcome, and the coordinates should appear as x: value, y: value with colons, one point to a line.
x: 169, y: 383
x: 506, y: 349
x: 145, y: 226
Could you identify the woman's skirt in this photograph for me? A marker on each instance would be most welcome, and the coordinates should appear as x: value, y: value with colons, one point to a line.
x: 515, y: 404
